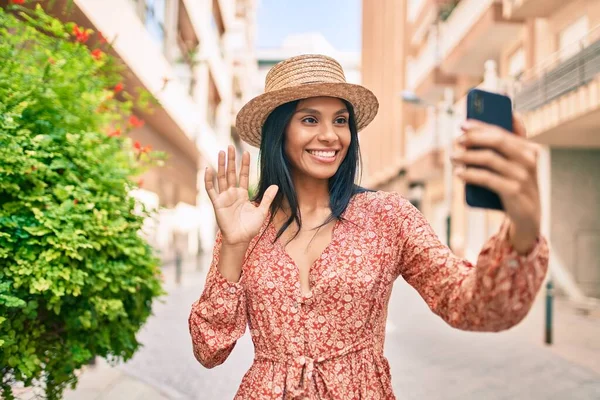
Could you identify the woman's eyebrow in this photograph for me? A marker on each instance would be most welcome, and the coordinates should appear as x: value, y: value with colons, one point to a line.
x: 308, y: 111
x: 313, y: 111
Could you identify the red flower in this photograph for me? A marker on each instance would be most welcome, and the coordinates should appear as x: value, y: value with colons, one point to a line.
x: 116, y: 132
x: 101, y: 38
x: 17, y: 1
x: 137, y: 146
x: 118, y: 87
x: 140, y: 182
x: 97, y: 54
x: 136, y: 122
x: 81, y: 35
x: 75, y: 201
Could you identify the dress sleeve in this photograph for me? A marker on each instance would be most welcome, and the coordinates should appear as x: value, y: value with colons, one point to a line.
x: 218, y: 319
x: 493, y: 295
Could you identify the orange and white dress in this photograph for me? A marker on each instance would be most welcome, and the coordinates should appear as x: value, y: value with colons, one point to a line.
x: 328, y: 344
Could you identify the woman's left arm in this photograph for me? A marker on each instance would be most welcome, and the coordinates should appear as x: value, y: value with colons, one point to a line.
x: 498, y: 292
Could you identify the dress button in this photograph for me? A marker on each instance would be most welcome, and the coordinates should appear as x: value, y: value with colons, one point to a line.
x: 232, y: 289
x: 513, y: 263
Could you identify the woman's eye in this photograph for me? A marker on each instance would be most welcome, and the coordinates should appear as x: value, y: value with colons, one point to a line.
x: 310, y: 120
x: 341, y: 120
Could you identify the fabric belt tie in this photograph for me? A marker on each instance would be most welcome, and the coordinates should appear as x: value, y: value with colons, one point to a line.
x: 302, y: 369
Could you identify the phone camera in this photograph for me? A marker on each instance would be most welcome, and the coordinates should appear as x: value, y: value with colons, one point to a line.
x: 478, y: 104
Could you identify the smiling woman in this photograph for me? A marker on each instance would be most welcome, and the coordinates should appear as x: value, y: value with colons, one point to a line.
x: 309, y: 263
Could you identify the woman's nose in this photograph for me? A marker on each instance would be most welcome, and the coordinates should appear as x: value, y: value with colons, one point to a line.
x: 327, y: 134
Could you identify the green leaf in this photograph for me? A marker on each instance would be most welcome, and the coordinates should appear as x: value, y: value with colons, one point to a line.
x: 72, y: 260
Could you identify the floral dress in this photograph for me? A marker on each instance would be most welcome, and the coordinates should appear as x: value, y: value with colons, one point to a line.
x: 328, y: 344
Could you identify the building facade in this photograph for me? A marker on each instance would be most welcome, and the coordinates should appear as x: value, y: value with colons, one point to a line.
x: 196, y: 58
x: 545, y: 55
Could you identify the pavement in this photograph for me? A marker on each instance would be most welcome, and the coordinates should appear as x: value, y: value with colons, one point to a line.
x: 428, y: 359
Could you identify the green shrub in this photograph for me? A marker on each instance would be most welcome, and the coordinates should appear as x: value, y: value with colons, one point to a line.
x: 76, y: 278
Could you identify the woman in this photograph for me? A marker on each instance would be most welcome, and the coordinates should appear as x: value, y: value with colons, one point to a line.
x: 309, y: 264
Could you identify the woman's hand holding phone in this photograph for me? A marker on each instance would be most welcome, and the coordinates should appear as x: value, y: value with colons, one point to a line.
x: 505, y: 163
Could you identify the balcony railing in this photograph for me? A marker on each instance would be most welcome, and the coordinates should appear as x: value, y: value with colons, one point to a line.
x: 521, y: 9
x: 560, y: 75
x: 414, y: 7
x: 423, y: 140
x: 462, y: 18
x: 426, y: 61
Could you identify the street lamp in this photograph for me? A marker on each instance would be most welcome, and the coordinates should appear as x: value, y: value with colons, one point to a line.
x: 410, y: 97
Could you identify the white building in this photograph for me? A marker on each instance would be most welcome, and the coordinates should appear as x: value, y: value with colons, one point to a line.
x: 187, y: 53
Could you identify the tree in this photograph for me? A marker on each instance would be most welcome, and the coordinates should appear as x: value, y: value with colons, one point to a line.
x: 77, y: 280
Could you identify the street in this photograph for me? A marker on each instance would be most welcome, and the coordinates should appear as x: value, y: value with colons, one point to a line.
x: 428, y: 359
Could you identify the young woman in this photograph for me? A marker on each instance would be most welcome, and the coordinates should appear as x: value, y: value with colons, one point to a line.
x: 309, y: 264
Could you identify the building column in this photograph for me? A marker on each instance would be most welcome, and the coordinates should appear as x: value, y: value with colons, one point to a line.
x: 383, y: 69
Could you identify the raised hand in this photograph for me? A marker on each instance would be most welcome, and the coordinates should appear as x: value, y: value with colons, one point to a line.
x: 507, y: 164
x: 239, y: 220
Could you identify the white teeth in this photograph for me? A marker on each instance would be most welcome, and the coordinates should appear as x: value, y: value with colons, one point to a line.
x: 322, y: 153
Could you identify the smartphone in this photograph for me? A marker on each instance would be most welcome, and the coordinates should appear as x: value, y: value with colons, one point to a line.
x: 495, y: 109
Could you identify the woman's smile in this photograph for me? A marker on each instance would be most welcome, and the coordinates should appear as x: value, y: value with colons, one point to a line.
x: 324, y: 156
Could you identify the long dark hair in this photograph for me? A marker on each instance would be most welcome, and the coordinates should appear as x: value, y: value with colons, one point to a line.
x: 275, y: 168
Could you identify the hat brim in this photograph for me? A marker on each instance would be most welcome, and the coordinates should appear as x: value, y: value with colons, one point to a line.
x: 253, y: 114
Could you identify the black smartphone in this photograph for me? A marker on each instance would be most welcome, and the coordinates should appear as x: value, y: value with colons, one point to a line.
x: 495, y: 109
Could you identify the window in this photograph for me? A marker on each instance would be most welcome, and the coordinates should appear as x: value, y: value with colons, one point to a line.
x: 187, y: 49
x: 218, y: 24
x: 572, y: 38
x: 155, y: 20
x: 217, y: 18
x: 516, y: 63
x: 213, y: 102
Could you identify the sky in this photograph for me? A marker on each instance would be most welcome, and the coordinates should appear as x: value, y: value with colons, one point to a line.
x: 338, y: 20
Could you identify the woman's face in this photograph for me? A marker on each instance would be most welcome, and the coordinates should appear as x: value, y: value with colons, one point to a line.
x: 317, y: 137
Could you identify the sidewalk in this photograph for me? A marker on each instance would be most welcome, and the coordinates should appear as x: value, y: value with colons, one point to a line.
x: 576, y: 339
x: 576, y: 335
x: 103, y: 382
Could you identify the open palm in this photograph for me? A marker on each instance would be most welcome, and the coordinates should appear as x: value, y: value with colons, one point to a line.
x: 239, y: 220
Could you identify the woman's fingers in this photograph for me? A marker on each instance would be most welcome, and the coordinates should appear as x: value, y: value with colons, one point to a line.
x: 490, y: 159
x: 231, y: 175
x: 245, y: 171
x: 513, y: 147
x: 221, y: 177
x: 482, y: 177
x: 209, y: 185
x: 268, y: 198
x: 226, y: 173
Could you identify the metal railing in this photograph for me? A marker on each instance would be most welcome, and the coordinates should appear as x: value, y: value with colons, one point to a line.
x: 560, y: 73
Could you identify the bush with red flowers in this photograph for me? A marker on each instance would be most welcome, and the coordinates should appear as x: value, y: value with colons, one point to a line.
x: 77, y: 280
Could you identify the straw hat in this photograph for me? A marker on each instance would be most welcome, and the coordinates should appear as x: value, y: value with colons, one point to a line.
x: 298, y: 78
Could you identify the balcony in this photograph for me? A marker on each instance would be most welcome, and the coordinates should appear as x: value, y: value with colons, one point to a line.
x: 423, y: 75
x: 521, y: 9
x: 414, y: 8
x: 560, y: 99
x: 177, y: 119
x: 475, y: 32
x: 423, y: 151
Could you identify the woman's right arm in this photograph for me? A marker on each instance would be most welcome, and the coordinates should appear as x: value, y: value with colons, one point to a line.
x: 218, y: 318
